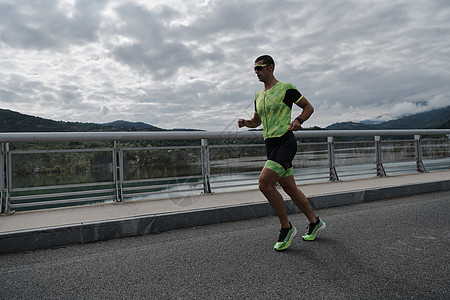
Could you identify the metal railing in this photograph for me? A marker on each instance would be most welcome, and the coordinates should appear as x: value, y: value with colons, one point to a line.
x: 205, y: 168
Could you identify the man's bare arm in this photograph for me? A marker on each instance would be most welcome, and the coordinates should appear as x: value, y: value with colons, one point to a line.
x: 307, y: 111
x: 252, y: 123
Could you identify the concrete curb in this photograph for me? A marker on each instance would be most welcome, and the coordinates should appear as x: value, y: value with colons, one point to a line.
x: 51, y: 237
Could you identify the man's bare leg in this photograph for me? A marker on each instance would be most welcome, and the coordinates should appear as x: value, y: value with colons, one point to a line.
x: 267, y: 181
x: 298, y: 197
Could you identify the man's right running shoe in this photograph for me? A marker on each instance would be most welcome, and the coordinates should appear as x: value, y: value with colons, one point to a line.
x: 313, y: 229
x: 285, y: 238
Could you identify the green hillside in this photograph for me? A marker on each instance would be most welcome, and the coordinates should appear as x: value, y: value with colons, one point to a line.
x: 130, y: 126
x: 11, y: 121
x: 435, y: 119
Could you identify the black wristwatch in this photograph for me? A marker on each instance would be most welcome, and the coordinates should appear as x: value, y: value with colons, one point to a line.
x: 300, y: 120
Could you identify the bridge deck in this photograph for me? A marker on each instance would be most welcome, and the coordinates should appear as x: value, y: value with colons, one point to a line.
x: 82, y: 224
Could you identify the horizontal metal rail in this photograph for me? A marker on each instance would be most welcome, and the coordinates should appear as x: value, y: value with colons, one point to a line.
x: 79, y: 193
x: 58, y: 202
x: 178, y: 179
x: 38, y: 137
x: 222, y: 166
x: 59, y: 151
x: 65, y: 186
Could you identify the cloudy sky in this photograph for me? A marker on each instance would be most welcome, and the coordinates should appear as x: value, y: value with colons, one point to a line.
x: 189, y: 63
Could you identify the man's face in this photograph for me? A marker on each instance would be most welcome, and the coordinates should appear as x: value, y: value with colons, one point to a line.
x: 262, y: 70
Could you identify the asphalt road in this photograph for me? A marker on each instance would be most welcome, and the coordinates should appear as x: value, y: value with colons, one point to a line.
x: 394, y: 249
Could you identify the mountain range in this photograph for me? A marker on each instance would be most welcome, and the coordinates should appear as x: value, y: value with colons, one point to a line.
x: 434, y: 119
x: 11, y: 121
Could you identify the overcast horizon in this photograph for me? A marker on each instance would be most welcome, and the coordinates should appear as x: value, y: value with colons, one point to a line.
x: 189, y: 64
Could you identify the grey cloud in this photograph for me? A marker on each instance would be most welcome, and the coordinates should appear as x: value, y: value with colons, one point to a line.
x: 161, y: 47
x: 8, y: 97
x: 104, y: 110
x: 49, y: 98
x: 26, y: 90
x: 41, y: 25
x: 349, y: 58
x: 222, y: 18
x: 382, y: 54
x: 155, y: 53
x: 160, y: 61
x: 23, y: 85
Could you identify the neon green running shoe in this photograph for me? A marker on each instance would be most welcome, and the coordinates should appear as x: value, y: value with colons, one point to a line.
x: 313, y: 229
x: 285, y: 238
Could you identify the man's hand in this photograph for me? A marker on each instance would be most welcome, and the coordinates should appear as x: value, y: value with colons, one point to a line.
x: 241, y: 123
x: 295, y: 125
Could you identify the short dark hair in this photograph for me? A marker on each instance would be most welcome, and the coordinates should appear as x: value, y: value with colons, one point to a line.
x: 267, y: 59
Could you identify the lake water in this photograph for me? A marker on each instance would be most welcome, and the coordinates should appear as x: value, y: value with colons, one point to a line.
x: 172, y: 174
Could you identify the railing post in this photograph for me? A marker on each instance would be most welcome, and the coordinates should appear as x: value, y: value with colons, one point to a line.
x: 8, y: 178
x: 331, y: 162
x: 419, y: 154
x: 379, y: 157
x: 118, y: 170
x: 2, y: 178
x: 206, y: 172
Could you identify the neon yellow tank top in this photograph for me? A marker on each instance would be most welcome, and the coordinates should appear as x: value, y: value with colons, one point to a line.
x: 274, y: 108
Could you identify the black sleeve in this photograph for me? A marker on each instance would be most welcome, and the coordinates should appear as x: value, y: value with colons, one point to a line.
x: 291, y: 96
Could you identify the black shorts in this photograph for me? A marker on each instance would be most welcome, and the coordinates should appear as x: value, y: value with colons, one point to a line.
x: 282, y: 149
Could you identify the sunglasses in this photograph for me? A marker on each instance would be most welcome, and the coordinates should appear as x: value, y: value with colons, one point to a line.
x: 260, y: 67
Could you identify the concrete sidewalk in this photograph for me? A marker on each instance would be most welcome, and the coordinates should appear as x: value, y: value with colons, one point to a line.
x: 49, y: 228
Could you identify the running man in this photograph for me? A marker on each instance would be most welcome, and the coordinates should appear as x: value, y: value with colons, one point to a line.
x: 273, y: 107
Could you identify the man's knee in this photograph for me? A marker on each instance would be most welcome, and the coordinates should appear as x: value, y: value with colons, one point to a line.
x: 264, y: 184
x: 267, y: 180
x: 291, y: 188
x: 288, y: 184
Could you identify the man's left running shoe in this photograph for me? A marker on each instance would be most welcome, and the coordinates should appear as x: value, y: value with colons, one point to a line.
x: 285, y: 238
x: 313, y: 229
